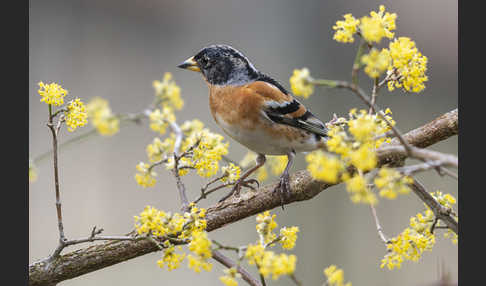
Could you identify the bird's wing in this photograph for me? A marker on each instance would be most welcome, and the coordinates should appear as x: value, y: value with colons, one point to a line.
x: 283, y: 108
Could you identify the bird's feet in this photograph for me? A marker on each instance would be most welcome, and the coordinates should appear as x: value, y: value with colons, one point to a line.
x: 237, y: 187
x: 283, y: 188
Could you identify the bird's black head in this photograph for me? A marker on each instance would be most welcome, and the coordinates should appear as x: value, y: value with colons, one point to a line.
x: 222, y: 65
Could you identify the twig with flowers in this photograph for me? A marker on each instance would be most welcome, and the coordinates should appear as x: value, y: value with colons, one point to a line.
x: 355, y: 148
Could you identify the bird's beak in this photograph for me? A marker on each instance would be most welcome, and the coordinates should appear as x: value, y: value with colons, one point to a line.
x: 190, y: 64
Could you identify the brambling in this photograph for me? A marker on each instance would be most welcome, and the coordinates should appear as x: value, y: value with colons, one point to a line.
x: 256, y: 110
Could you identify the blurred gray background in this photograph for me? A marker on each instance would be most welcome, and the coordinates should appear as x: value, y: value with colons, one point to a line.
x: 115, y: 49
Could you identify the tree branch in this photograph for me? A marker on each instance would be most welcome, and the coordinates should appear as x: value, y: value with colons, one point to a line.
x: 221, y: 258
x: 303, y: 187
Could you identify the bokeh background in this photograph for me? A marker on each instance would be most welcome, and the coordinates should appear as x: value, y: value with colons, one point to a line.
x: 115, y: 49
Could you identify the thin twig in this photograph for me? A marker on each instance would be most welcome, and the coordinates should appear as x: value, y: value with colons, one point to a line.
x: 180, y: 185
x: 226, y: 261
x: 441, y: 212
x: 225, y: 247
x: 296, y: 281
x: 357, y: 61
x: 378, y: 226
x: 55, y: 132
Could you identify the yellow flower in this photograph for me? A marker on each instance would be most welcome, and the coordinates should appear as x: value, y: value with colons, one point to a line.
x: 376, y: 62
x: 335, y: 276
x: 171, y: 259
x: 201, y: 246
x: 283, y: 264
x: 364, y: 158
x: 289, y: 236
x: 233, y: 173
x: 168, y: 92
x: 266, y: 225
x: 159, y: 120
x: 76, y: 114
x: 412, y: 242
x: 300, y: 83
x: 270, y: 263
x: 192, y: 126
x: 196, y: 263
x: 391, y: 183
x: 338, y: 141
x: 345, y: 29
x: 32, y: 171
x: 145, y: 178
x: 446, y: 200
x: 100, y: 115
x: 159, y: 148
x: 207, y: 154
x: 360, y: 193
x: 52, y: 93
x: 379, y: 25
x: 408, y: 66
x: 229, y: 278
x: 324, y: 167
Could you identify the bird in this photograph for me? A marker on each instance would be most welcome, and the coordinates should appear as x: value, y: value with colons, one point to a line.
x: 257, y: 111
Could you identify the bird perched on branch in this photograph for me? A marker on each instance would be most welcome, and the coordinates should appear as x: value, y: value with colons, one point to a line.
x: 255, y: 110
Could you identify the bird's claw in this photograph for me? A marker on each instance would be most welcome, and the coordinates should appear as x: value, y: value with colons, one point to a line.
x: 237, y: 188
x: 283, y: 188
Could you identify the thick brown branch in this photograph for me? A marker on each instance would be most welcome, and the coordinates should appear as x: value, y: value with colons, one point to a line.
x: 303, y: 187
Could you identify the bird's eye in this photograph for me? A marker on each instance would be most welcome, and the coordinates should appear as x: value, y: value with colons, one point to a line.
x: 204, y: 62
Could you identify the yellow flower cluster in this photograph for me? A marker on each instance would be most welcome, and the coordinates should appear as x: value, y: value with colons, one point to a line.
x: 408, y: 66
x: 159, y: 120
x: 205, y: 156
x: 447, y: 201
x: 233, y: 173
x: 335, y: 276
x: 411, y: 243
x: 268, y: 262
x: 404, y: 64
x: 372, y: 28
x: 266, y: 225
x: 324, y: 166
x: 354, y: 146
x: 76, y: 115
x: 203, y: 151
x: 345, y: 29
x: 52, y: 93
x: 300, y: 83
x: 288, y: 236
x: 230, y: 278
x: 376, y: 62
x: 32, y: 171
x: 417, y: 238
x: 277, y: 165
x: 158, y: 148
x: 168, y: 92
x: 191, y: 225
x: 200, y: 245
x: 357, y: 186
x: 144, y: 177
x: 378, y: 25
x: 171, y: 259
x: 391, y: 183
x: 101, y: 116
